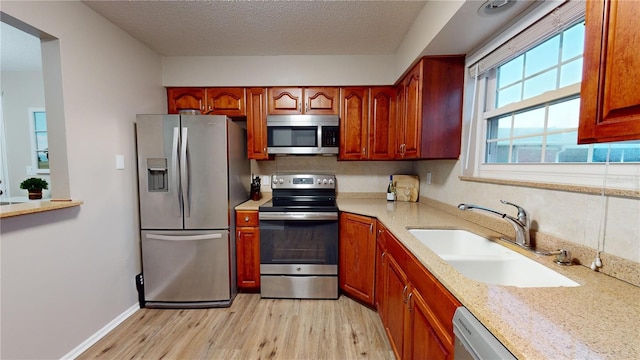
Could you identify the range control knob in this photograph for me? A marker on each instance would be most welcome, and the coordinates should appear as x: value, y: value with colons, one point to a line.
x: 281, y: 181
x: 319, y: 181
x: 324, y: 181
x: 330, y: 181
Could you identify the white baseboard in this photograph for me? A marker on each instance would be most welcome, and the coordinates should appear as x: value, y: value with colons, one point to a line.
x: 101, y: 333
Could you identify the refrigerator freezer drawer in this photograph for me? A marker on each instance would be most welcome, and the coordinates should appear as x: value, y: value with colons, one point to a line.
x: 186, y: 266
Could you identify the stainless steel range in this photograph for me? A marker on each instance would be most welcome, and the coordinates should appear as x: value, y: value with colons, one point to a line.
x: 299, y: 238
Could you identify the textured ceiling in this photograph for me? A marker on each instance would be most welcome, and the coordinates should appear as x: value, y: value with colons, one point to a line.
x: 264, y: 27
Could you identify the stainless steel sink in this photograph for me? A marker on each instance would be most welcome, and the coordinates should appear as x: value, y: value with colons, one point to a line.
x: 483, y: 260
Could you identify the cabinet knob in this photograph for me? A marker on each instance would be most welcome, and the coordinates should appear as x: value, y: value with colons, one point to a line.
x: 246, y: 219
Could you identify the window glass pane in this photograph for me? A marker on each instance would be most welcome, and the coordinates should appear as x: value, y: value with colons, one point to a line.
x: 510, y: 72
x: 562, y: 148
x: 41, y: 141
x: 529, y: 122
x: 628, y: 151
x: 542, y: 56
x: 571, y: 73
x: 564, y: 115
x: 573, y: 41
x: 497, y: 152
x: 527, y: 150
x: 40, y: 121
x: 540, y: 83
x: 509, y: 95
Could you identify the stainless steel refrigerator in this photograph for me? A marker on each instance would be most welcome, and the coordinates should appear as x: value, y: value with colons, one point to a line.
x: 192, y: 171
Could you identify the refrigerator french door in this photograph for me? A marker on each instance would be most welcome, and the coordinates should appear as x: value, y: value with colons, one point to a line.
x: 192, y: 171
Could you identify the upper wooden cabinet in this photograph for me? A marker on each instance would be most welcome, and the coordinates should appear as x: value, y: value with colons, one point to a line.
x: 257, y: 123
x: 429, y: 109
x: 310, y: 100
x: 610, y: 97
x: 226, y: 101
x: 185, y: 99
x: 210, y: 101
x: 354, y: 123
x: 367, y: 118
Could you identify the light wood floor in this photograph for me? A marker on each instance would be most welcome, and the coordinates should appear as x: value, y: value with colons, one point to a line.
x: 252, y: 328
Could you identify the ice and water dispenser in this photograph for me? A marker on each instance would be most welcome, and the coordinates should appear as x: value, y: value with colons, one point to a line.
x: 157, y: 179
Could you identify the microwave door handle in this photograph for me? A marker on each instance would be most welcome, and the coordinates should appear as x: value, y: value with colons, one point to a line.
x: 174, y: 169
x: 185, y: 173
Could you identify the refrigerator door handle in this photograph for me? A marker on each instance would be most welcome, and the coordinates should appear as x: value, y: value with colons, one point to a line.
x: 184, y: 174
x: 183, y: 237
x: 174, y: 169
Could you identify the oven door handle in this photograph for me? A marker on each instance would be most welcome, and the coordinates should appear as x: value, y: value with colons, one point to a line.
x: 298, y: 216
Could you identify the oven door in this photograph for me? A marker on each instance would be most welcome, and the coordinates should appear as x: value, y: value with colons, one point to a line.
x: 299, y: 255
x: 300, y: 243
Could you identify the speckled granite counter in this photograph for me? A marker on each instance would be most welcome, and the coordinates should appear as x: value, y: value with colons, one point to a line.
x: 36, y: 206
x: 598, y: 320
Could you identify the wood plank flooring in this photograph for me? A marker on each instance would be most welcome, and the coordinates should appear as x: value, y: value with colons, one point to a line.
x: 252, y: 328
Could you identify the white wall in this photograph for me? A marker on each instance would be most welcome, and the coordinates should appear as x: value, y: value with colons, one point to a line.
x: 278, y: 70
x: 67, y: 273
x: 21, y: 90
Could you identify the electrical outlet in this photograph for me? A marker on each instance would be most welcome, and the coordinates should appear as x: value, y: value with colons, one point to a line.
x: 30, y: 170
x: 428, y: 178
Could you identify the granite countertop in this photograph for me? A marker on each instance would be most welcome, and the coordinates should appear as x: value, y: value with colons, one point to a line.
x: 36, y: 206
x: 600, y: 319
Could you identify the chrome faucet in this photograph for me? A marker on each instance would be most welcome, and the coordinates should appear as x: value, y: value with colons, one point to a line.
x: 520, y: 223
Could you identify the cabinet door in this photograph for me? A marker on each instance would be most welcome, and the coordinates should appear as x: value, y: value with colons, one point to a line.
x: 185, y: 98
x: 354, y: 123
x: 395, y: 297
x: 425, y: 338
x: 226, y: 101
x: 257, y: 124
x: 321, y: 100
x: 610, y: 99
x: 382, y: 121
x: 357, y: 257
x: 401, y: 109
x: 413, y: 113
x: 248, y: 258
x: 285, y: 101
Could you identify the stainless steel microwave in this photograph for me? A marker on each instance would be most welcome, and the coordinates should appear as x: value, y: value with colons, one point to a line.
x: 303, y: 134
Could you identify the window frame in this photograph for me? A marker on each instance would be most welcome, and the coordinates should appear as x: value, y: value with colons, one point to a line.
x: 32, y: 135
x: 600, y: 175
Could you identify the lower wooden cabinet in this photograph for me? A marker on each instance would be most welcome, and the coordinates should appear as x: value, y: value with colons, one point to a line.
x: 416, y: 310
x: 357, y: 257
x: 247, y: 251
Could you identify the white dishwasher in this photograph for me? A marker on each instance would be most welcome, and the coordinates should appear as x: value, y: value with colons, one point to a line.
x: 473, y: 341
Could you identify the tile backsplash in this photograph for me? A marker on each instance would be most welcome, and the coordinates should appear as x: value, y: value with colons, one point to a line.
x: 352, y: 176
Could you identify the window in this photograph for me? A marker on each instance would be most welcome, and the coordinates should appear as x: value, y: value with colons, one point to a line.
x: 39, y: 141
x: 534, y: 117
x: 527, y: 96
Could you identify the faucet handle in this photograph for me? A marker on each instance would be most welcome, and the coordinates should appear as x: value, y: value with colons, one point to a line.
x: 522, y: 213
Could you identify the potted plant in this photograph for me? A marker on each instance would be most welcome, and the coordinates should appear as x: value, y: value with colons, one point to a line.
x: 34, y: 186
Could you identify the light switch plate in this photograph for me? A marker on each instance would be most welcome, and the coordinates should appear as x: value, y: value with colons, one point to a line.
x: 119, y: 162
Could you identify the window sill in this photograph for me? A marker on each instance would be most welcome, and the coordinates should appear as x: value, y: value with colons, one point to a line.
x: 36, y: 206
x: 623, y: 193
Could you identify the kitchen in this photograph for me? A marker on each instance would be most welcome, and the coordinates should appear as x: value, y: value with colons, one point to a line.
x: 55, y: 264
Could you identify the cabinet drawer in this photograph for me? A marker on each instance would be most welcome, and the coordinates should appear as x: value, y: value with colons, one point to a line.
x: 246, y: 218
